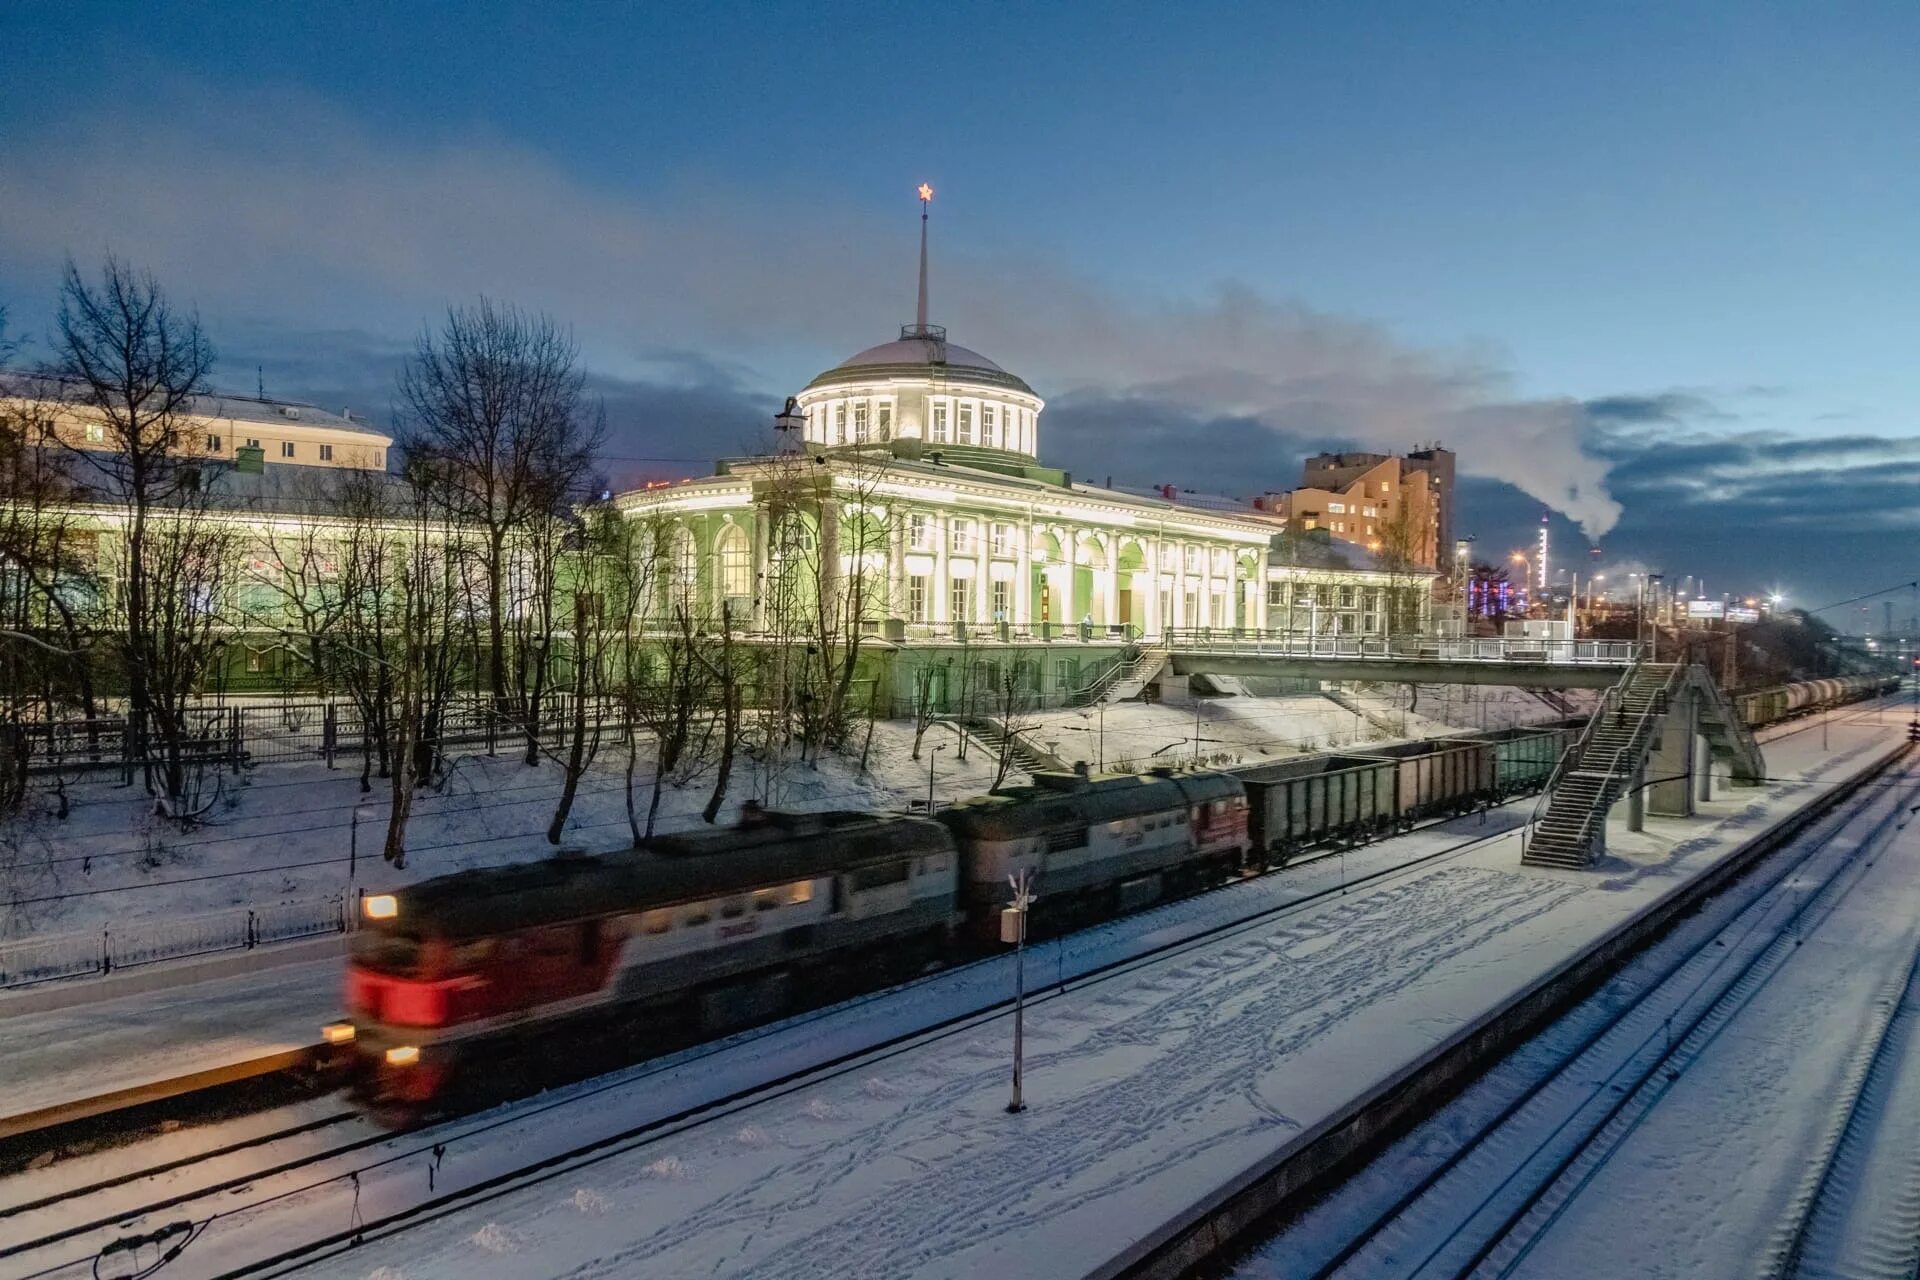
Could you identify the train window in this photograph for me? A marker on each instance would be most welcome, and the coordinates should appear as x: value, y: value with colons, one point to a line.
x: 878, y: 875
x: 800, y: 891
x: 552, y: 942
x: 658, y: 920
x: 384, y: 952
x: 1180, y: 819
x: 766, y: 899
x: 1070, y: 838
x: 697, y: 914
x: 733, y: 908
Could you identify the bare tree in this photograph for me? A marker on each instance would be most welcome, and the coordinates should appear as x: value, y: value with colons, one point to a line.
x: 129, y: 367
x: 605, y: 581
x: 1409, y: 580
x: 496, y: 402
x: 1012, y: 699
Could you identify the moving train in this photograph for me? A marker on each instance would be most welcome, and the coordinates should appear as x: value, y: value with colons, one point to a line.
x: 451, y: 980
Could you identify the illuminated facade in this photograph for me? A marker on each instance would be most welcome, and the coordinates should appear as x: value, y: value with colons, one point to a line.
x: 920, y: 459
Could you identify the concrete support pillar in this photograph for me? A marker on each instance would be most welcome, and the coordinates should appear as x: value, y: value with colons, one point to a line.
x: 1703, y: 762
x: 1637, y: 800
x: 1672, y: 763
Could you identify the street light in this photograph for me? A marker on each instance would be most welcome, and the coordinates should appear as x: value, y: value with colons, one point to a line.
x: 937, y: 749
x: 1013, y: 929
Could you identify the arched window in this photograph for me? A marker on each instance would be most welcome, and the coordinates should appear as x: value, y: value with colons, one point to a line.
x: 736, y: 563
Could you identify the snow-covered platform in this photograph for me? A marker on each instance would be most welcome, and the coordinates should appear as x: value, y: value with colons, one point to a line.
x: 142, y: 1042
x: 1150, y: 1089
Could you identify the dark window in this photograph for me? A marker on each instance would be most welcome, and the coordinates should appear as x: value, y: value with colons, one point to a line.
x: 878, y: 875
x: 1071, y: 838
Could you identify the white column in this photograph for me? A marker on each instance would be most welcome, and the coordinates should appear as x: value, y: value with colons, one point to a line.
x: 1112, y: 572
x: 1021, y: 601
x: 897, y: 562
x: 938, y: 524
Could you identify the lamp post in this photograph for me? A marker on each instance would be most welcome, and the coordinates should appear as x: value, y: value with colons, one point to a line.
x: 1013, y: 929
x: 936, y: 750
x: 1526, y: 575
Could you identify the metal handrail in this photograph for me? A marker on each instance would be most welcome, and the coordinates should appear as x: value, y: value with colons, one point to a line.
x: 1655, y: 703
x: 1257, y: 642
x: 1613, y: 697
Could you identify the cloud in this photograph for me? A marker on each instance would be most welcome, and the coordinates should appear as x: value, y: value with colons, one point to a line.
x: 304, y: 212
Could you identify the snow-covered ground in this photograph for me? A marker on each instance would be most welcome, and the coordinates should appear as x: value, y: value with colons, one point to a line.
x: 1147, y: 1088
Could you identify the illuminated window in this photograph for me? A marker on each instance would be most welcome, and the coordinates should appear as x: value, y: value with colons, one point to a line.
x: 1338, y: 507
x: 965, y: 433
x: 960, y: 597
x: 917, y: 598
x: 800, y: 891
x: 989, y: 427
x: 1002, y: 539
x: 940, y: 422
x: 839, y: 423
x: 860, y: 422
x: 657, y: 921
x: 961, y: 541
x: 1002, y: 600
x: 917, y: 531
x: 96, y: 433
x: 736, y: 567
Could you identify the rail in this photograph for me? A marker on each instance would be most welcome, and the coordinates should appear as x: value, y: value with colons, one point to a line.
x: 1250, y: 642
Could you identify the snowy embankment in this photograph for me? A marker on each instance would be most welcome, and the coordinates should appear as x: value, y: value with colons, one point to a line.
x: 1148, y: 1089
x: 301, y: 833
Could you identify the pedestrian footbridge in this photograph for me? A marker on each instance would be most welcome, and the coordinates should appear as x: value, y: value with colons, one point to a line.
x: 1503, y: 660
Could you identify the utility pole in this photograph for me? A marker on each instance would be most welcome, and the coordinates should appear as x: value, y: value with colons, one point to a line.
x: 936, y: 750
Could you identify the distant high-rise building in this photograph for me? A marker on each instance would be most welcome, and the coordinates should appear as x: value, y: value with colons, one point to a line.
x: 1378, y: 500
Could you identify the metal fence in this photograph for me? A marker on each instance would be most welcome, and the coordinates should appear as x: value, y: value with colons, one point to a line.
x: 284, y: 732
x: 90, y: 952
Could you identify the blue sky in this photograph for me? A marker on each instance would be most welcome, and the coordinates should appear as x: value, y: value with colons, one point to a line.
x: 1561, y: 237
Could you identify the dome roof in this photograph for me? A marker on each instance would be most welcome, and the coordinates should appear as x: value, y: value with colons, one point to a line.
x: 923, y: 352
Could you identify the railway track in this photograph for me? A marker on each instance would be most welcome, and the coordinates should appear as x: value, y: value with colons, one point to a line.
x: 343, y: 1169
x: 1480, y: 1210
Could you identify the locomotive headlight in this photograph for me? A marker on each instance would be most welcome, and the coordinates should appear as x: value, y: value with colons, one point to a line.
x: 337, y: 1033
x: 381, y: 906
x: 403, y: 1055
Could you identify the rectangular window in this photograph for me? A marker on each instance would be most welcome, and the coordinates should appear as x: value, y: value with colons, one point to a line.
x: 989, y: 427
x: 839, y: 423
x: 96, y: 433
x: 940, y: 423
x: 326, y: 453
x: 917, y: 531
x: 1002, y: 539
x: 800, y: 891
x: 252, y: 442
x: 1338, y: 508
x: 286, y: 448
x: 1193, y: 559
x: 960, y: 598
x: 961, y: 542
x: 213, y: 444
x: 884, y: 412
x: 965, y: 434
x: 860, y: 422
x: 658, y: 920
x: 1002, y: 600
x: 917, y: 598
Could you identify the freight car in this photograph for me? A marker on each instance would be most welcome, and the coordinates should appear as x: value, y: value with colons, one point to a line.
x: 1784, y: 702
x: 1438, y: 777
x: 1297, y: 804
x: 1524, y: 758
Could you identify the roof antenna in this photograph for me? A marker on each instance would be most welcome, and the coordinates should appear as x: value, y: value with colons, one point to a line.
x: 260, y: 377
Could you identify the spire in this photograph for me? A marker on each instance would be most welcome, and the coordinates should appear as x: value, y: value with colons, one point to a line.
x: 920, y: 312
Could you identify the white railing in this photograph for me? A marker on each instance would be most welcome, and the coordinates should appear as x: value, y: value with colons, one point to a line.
x: 1247, y: 642
x: 98, y: 951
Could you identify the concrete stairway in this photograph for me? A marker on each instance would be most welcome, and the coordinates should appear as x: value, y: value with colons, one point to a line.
x: 991, y: 734
x: 1599, y: 768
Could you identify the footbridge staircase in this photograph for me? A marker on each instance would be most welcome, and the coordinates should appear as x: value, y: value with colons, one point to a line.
x: 1650, y: 742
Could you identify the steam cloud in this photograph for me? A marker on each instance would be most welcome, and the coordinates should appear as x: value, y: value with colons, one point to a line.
x: 345, y: 230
